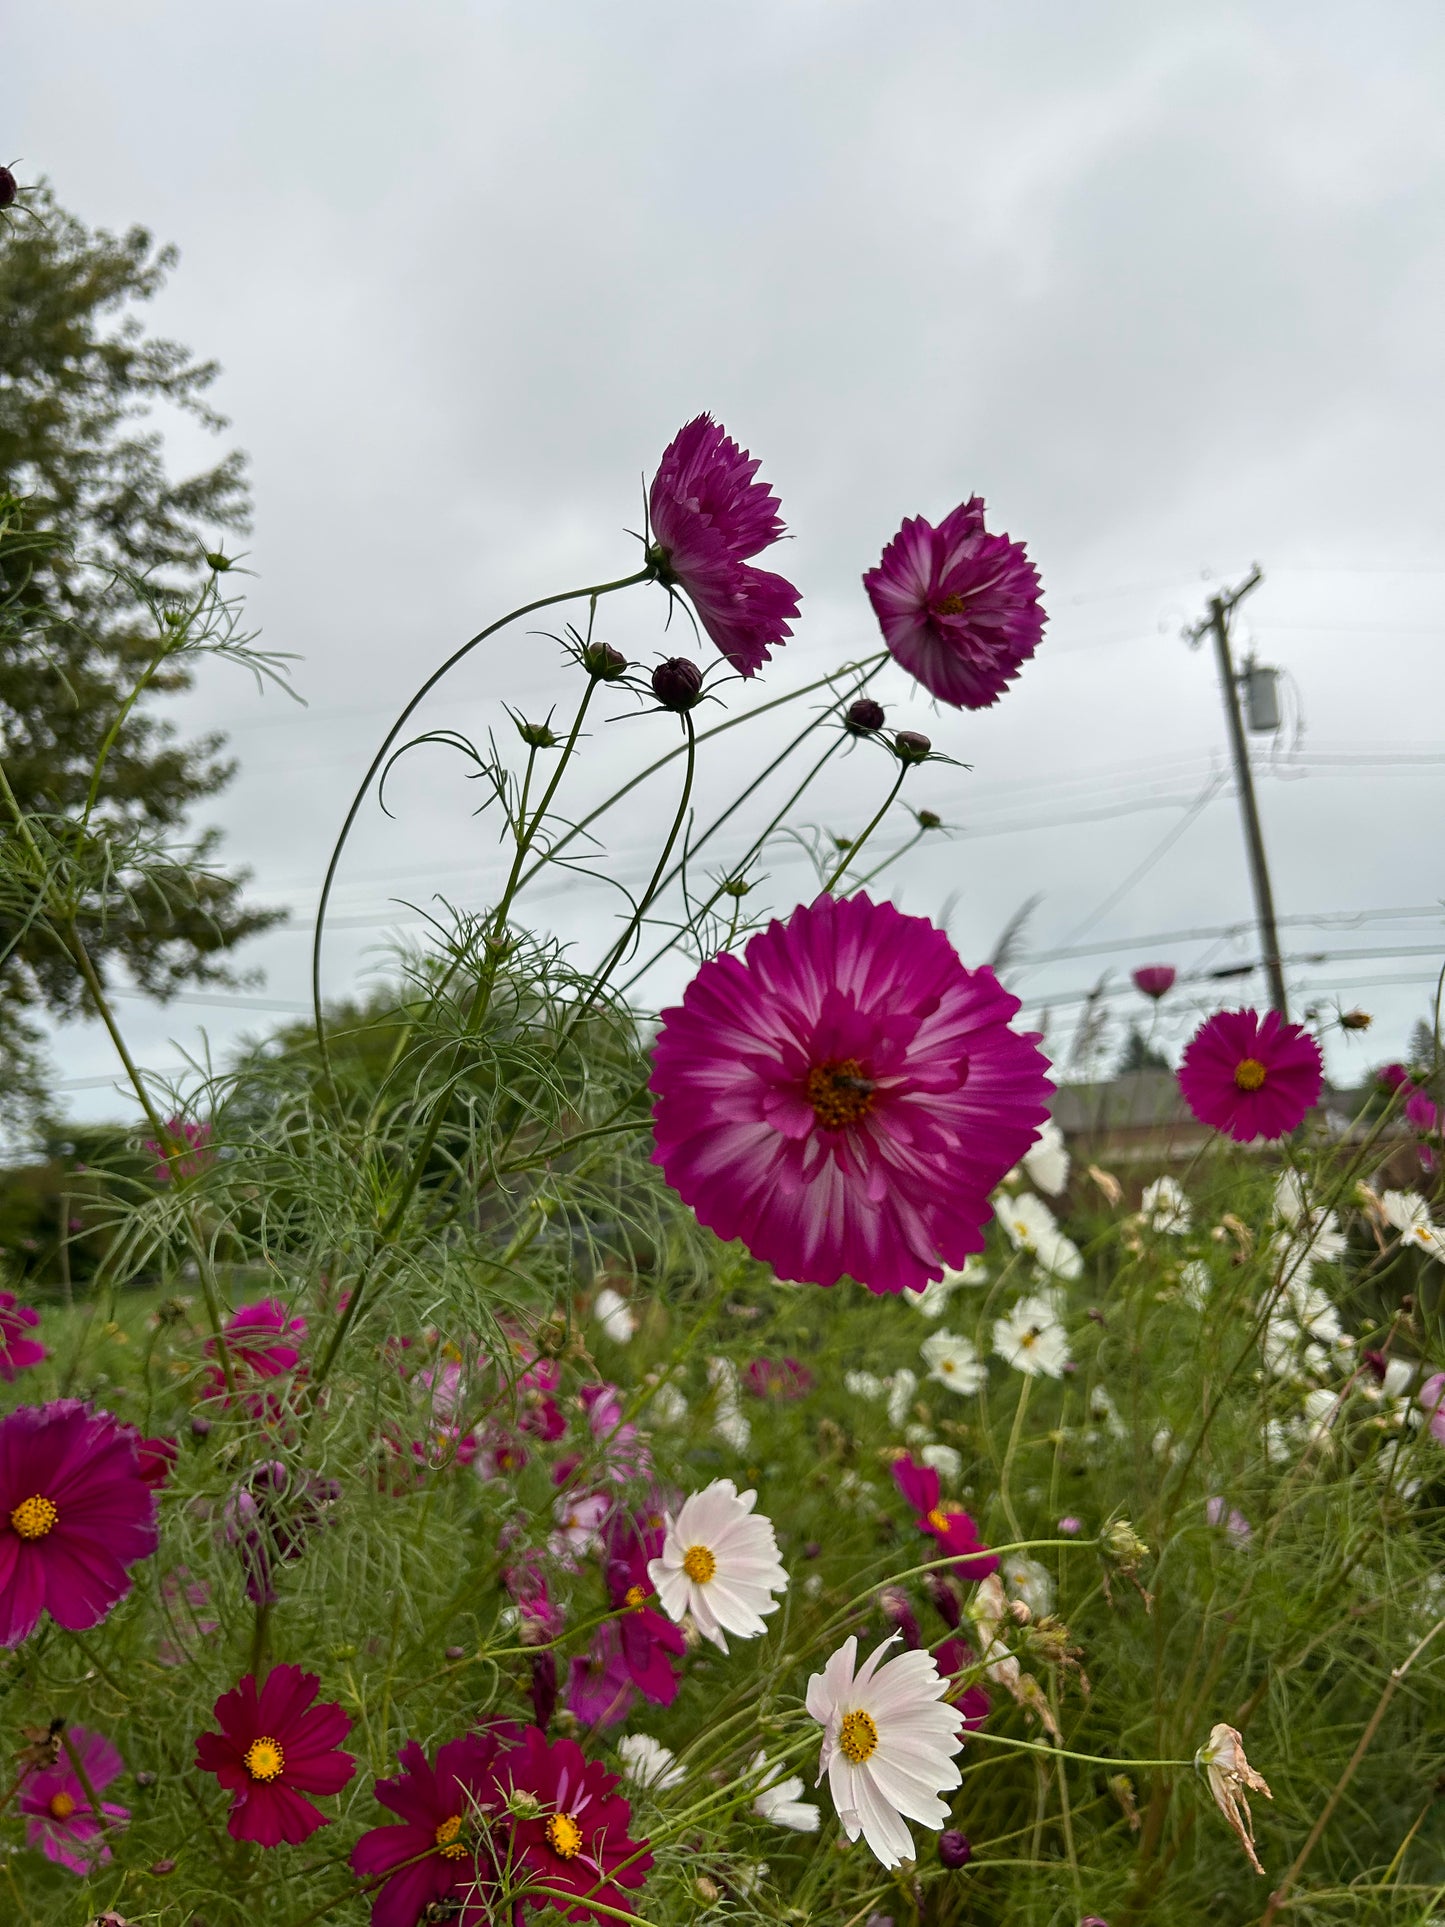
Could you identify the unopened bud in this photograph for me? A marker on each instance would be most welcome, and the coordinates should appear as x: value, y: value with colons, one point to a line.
x: 677, y: 683
x: 706, y: 1890
x: 536, y: 735
x: 144, y: 1778
x: 929, y: 820
x: 736, y: 887
x: 454, y: 1653
x: 217, y: 561
x: 910, y: 746
x: 523, y: 1805
x: 954, y: 1848
x: 9, y: 188
x: 1355, y: 1020
x: 200, y: 1426
x: 1123, y: 1543
x: 863, y: 717
x: 603, y: 662
x: 162, y: 1867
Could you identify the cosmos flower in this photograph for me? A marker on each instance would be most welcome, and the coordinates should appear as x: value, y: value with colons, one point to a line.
x: 185, y: 1153
x: 728, y: 1421
x: 719, y: 1562
x: 845, y: 1095
x: 1031, y: 1339
x: 1219, y: 1512
x: 274, y: 1747
x: 1251, y: 1075
x: 932, y: 1301
x: 889, y: 1738
x: 776, y: 1799
x: 75, y: 1514
x: 1231, y: 1778
x: 1030, y: 1582
x: 1166, y: 1206
x: 17, y: 1352
x: 613, y: 1313
x: 951, y: 1526
x: 1409, y: 1214
x: 437, y: 1857
x: 1046, y: 1164
x: 575, y: 1845
x: 599, y: 1687
x: 778, y: 1378
x: 1432, y: 1403
x: 579, y: 1517
x: 59, y: 1817
x: 1154, y: 980
x: 1029, y: 1226
x: 959, y: 608
x: 649, y: 1642
x: 256, y: 1339
x: 1422, y: 1112
x: 648, y: 1763
x: 708, y: 515
x: 953, y: 1361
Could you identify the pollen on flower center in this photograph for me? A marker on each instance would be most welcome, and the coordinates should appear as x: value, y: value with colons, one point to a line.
x: 950, y: 605
x: 699, y: 1564
x: 564, y: 1836
x: 839, y: 1093
x: 1248, y: 1074
x: 34, y: 1517
x: 61, y: 1806
x: 859, y: 1737
x: 263, y: 1759
x: 938, y: 1519
x: 447, y: 1838
x: 634, y: 1595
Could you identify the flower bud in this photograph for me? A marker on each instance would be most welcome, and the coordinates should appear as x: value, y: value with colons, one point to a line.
x: 1355, y: 1020
x: 603, y: 662
x: 1093, y: 1920
x: 144, y: 1778
x: 677, y: 683
x: 954, y: 1849
x: 162, y: 1867
x: 200, y: 1426
x: 9, y: 188
x: 910, y: 746
x: 863, y: 717
x: 706, y: 1890
x: 736, y: 887
x: 218, y: 561
x: 536, y: 735
x: 929, y: 820
x: 454, y: 1653
x: 1124, y: 1543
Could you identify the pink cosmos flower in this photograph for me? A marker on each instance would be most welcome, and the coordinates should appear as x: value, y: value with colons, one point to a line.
x: 1432, y: 1402
x: 1251, y: 1075
x: 184, y: 1601
x: 951, y: 1526
x: 156, y: 1457
x: 958, y: 607
x: 437, y: 1858
x: 75, y: 1514
x: 579, y: 1517
x: 1422, y: 1113
x: 60, y: 1819
x: 577, y: 1845
x: 599, y: 1686
x: 255, y: 1338
x: 623, y: 1451
x: 17, y: 1352
x: 844, y: 1096
x: 650, y: 1643
x: 273, y: 1747
x: 1219, y: 1512
x: 539, y: 1412
x: 172, y: 1160
x: 955, y: 1656
x: 782, y: 1378
x: 1154, y: 980
x: 708, y: 515
x: 1392, y: 1076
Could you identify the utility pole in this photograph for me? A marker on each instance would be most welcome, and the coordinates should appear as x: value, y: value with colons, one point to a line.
x: 1216, y: 623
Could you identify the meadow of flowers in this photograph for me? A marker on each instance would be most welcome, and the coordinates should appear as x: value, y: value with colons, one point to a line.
x: 524, y: 1452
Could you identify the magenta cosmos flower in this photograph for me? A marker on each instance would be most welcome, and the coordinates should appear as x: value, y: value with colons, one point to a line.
x: 75, y: 1514
x: 951, y: 1526
x: 708, y: 514
x: 17, y: 1352
x: 1251, y: 1075
x: 438, y: 1857
x: 651, y: 1645
x: 1154, y: 980
x: 577, y: 1847
x: 185, y: 1152
x: 958, y: 607
x: 274, y: 1747
x: 844, y: 1097
x: 59, y: 1817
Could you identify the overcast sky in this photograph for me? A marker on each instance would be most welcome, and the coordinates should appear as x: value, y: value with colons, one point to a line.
x: 1165, y: 285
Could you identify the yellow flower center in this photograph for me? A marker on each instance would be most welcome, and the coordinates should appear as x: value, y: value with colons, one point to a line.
x: 264, y: 1759
x: 839, y: 1093
x: 634, y: 1596
x: 699, y: 1564
x: 1248, y: 1074
x: 448, y: 1843
x: 34, y: 1517
x: 938, y: 1519
x: 859, y: 1737
x: 950, y: 605
x: 564, y: 1836
x: 61, y: 1806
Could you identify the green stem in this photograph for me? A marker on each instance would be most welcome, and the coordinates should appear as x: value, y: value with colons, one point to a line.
x: 846, y: 860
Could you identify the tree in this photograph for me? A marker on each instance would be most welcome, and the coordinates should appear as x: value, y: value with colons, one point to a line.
x: 107, y: 566
x: 1139, y: 1054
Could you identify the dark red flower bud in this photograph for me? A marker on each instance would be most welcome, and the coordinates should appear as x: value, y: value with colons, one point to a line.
x: 8, y: 188
x: 677, y: 683
x: 456, y: 1652
x: 953, y: 1848
x: 929, y: 820
x: 911, y: 747
x: 864, y: 716
x: 162, y: 1867
x: 200, y: 1427
x: 1374, y: 1363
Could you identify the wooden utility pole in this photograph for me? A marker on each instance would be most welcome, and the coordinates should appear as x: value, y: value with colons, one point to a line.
x: 1216, y: 623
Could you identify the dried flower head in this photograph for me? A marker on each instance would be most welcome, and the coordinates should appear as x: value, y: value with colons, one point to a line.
x: 1221, y: 1759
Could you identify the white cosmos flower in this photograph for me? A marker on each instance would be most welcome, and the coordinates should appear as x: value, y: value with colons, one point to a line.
x: 614, y: 1315
x: 777, y: 1798
x: 669, y: 1406
x: 864, y: 1385
x: 888, y: 1744
x: 900, y: 1395
x: 647, y: 1762
x: 1031, y: 1339
x: 728, y: 1420
x: 953, y: 1361
x: 1047, y: 1164
x: 1029, y: 1226
x: 1196, y: 1281
x: 1031, y: 1582
x: 945, y: 1461
x: 1408, y: 1212
x: 720, y: 1563
x: 1166, y: 1206
x: 932, y: 1301
x: 1314, y: 1312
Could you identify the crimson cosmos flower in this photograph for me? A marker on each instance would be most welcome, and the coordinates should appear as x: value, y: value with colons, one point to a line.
x: 437, y: 1857
x: 17, y: 1352
x: 649, y: 1639
x: 60, y: 1819
x: 958, y: 607
x: 708, y: 515
x: 75, y: 1514
x: 255, y: 1338
x: 577, y: 1845
x: 1154, y: 980
x: 845, y: 1095
x: 273, y: 1747
x: 951, y: 1526
x: 1251, y: 1075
